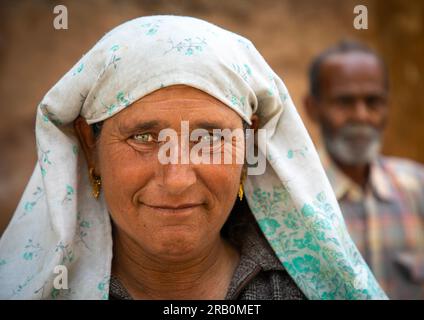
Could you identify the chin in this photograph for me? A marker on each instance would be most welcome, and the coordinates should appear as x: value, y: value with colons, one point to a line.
x: 176, y: 246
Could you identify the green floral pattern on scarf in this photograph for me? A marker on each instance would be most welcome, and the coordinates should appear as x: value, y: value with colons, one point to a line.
x: 303, y: 244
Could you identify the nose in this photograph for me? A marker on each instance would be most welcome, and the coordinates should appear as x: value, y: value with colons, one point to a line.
x: 361, y: 112
x: 178, y: 178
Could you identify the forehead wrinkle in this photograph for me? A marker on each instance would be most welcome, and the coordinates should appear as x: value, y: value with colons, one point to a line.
x: 205, y: 112
x: 195, y: 106
x: 179, y: 104
x: 179, y: 92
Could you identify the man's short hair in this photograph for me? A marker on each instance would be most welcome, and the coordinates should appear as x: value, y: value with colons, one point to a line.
x: 343, y: 47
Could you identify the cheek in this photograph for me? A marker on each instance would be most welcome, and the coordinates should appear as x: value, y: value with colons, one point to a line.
x: 124, y: 171
x: 380, y: 118
x: 223, y: 182
x: 334, y: 119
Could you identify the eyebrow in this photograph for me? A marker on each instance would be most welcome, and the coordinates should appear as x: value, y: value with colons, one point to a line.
x: 140, y: 126
x: 155, y: 124
x: 210, y: 125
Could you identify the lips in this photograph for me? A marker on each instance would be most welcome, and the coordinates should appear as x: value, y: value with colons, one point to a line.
x: 184, y: 207
x: 359, y: 140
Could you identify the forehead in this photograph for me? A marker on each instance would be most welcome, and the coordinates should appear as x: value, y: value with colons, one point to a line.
x: 178, y: 92
x: 170, y: 105
x: 354, y: 72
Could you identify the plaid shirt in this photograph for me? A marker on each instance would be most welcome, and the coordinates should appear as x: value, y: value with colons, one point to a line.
x: 386, y: 221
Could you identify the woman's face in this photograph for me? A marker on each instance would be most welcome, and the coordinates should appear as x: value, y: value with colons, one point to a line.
x: 171, y: 211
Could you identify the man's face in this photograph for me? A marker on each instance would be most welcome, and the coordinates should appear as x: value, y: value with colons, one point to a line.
x: 352, y: 107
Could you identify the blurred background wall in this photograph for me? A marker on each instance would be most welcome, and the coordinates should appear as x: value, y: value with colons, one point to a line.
x: 33, y: 56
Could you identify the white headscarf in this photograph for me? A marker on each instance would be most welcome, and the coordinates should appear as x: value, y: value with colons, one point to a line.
x: 58, y: 222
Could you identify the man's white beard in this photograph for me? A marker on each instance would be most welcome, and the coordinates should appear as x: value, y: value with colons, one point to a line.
x: 346, y: 148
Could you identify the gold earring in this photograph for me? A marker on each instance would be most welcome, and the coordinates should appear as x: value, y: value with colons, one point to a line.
x: 241, y: 191
x: 96, y: 183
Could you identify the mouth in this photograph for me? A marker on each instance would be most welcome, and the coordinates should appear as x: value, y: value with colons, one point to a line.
x: 360, y: 138
x: 174, y: 209
x: 359, y: 141
x: 362, y: 134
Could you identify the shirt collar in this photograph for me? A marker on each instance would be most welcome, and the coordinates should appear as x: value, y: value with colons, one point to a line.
x: 380, y: 183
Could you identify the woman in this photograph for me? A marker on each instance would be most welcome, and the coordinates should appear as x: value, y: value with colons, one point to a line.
x: 127, y: 225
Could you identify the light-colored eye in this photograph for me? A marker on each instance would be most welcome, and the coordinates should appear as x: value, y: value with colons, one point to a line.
x: 143, y: 137
x: 210, y: 138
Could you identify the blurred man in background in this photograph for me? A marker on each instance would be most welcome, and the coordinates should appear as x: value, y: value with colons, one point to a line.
x: 382, y: 198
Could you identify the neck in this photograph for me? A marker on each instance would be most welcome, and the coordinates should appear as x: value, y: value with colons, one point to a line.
x: 207, y: 276
x: 358, y: 173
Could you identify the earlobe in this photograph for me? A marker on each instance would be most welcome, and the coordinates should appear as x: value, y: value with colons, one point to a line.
x: 87, y: 140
